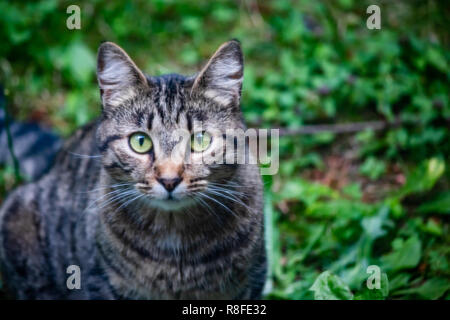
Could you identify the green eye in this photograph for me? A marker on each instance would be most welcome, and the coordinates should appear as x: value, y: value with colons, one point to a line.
x: 140, y: 142
x: 200, y: 141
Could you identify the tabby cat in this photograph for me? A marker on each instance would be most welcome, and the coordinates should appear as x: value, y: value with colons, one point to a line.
x: 137, y: 221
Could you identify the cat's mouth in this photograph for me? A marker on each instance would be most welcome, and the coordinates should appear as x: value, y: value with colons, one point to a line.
x: 162, y: 200
x: 177, y: 199
x: 169, y: 204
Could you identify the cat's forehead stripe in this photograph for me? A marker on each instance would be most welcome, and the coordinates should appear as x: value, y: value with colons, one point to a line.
x: 150, y: 121
x: 168, y: 91
x: 156, y: 97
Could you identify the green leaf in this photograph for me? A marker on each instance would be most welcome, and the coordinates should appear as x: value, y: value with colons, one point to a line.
x: 423, y: 177
x: 77, y: 108
x: 80, y: 62
x: 437, y: 59
x: 330, y: 287
x: 434, y: 288
x: 432, y: 227
x: 373, y: 168
x: 431, y: 289
x: 353, y: 190
x: 440, y: 204
x: 373, y: 225
x: 399, y: 281
x: 406, y: 254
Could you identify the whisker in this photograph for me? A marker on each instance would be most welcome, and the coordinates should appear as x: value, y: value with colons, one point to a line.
x: 103, y: 196
x: 232, y: 198
x: 226, y: 190
x: 130, y: 201
x: 118, y: 197
x: 107, y: 187
x: 218, y: 202
x: 230, y: 192
x: 204, y: 204
x: 84, y: 155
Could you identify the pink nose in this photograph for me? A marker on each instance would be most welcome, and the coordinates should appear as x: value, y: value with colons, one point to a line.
x: 169, y: 184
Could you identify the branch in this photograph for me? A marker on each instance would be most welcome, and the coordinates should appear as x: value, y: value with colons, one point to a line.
x: 17, y: 174
x: 342, y: 128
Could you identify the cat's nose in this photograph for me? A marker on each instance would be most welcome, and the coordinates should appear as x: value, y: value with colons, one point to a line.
x: 169, y: 184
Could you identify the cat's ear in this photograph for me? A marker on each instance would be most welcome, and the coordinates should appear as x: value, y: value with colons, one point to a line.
x: 118, y: 76
x: 221, y: 78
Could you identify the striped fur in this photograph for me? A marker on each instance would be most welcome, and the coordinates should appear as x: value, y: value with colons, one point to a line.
x: 102, y: 208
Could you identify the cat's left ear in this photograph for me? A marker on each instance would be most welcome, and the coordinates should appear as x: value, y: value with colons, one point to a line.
x: 118, y: 76
x: 221, y: 78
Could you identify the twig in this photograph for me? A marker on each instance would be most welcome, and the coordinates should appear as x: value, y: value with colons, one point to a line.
x: 17, y: 174
x: 342, y: 128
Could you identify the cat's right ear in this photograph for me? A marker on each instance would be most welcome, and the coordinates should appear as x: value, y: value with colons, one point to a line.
x: 221, y: 78
x: 118, y: 76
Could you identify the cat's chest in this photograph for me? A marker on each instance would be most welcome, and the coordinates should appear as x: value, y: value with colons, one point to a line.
x: 171, y: 271
x: 177, y: 279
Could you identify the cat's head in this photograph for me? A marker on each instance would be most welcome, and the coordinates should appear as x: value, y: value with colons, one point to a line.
x: 138, y: 135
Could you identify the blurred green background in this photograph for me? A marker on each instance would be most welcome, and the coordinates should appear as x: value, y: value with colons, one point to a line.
x: 339, y: 202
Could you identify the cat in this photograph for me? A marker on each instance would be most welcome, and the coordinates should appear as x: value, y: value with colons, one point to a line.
x: 137, y: 221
